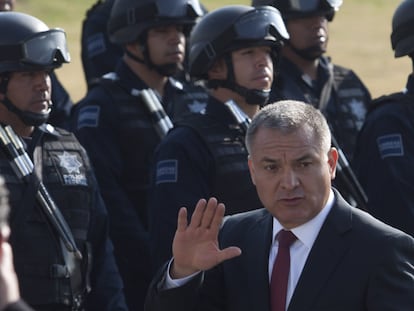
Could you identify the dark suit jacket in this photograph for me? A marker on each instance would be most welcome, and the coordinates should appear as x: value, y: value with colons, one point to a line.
x: 356, y: 263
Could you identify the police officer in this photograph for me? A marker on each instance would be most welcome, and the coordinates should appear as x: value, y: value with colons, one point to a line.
x: 384, y: 156
x: 306, y: 74
x: 233, y: 50
x: 52, y: 275
x: 99, y: 55
x: 62, y: 103
x: 115, y: 125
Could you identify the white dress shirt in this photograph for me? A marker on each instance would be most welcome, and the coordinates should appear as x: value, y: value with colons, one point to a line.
x: 306, y: 235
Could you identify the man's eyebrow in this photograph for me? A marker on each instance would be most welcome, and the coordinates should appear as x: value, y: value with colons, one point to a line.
x: 306, y: 156
x: 267, y: 159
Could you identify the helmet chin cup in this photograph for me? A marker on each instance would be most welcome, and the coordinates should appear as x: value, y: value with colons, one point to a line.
x: 34, y: 119
x: 27, y: 117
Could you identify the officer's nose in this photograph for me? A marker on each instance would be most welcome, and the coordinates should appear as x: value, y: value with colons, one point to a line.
x: 43, y: 80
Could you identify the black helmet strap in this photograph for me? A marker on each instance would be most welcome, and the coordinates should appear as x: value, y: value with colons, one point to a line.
x: 28, y: 118
x: 164, y: 70
x: 253, y: 97
x: 309, y: 54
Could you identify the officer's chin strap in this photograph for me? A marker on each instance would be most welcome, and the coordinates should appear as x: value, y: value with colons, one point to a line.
x: 164, y: 70
x: 308, y: 54
x: 253, y: 97
x: 28, y: 118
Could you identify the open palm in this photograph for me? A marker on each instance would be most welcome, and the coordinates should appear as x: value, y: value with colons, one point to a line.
x: 195, y: 246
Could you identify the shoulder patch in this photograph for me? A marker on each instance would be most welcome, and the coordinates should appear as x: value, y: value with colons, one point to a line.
x: 166, y: 172
x: 88, y: 116
x: 96, y: 45
x: 390, y: 145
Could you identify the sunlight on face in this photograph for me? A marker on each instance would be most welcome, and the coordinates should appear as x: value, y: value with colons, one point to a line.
x: 253, y: 67
x: 30, y: 91
x: 292, y: 174
x: 166, y: 44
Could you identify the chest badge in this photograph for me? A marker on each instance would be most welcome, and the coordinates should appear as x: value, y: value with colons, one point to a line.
x: 70, y: 163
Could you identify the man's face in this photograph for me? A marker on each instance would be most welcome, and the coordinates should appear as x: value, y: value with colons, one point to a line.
x: 292, y: 175
x: 166, y: 44
x: 6, y: 5
x: 30, y: 91
x: 253, y: 67
x: 309, y: 34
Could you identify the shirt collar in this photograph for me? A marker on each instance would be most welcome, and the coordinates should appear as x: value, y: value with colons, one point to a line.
x: 308, y: 232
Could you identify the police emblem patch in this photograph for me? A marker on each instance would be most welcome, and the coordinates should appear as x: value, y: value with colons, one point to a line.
x: 88, y: 116
x: 69, y: 162
x: 390, y: 145
x: 167, y: 171
x: 71, y: 169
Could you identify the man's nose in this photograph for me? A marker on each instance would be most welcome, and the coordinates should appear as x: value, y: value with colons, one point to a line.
x: 290, y: 179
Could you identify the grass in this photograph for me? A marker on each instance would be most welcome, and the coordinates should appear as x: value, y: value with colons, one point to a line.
x: 359, y: 40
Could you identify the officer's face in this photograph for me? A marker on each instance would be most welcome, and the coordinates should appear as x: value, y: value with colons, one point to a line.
x: 292, y: 175
x: 309, y: 34
x: 30, y: 91
x: 253, y: 67
x: 166, y: 44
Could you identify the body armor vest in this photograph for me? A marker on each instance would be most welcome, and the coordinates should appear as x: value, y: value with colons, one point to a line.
x: 137, y: 139
x: 346, y: 104
x: 231, y: 182
x: 137, y: 135
x: 48, y: 274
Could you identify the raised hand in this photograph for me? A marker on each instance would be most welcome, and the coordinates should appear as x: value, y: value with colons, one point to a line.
x: 195, y: 245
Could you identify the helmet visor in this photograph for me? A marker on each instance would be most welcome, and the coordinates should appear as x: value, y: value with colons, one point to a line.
x: 260, y: 24
x: 312, y: 5
x: 46, y: 48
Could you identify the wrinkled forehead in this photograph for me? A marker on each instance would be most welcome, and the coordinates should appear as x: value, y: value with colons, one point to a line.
x: 283, y: 139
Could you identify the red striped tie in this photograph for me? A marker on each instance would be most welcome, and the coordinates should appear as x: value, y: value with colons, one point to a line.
x: 280, y: 273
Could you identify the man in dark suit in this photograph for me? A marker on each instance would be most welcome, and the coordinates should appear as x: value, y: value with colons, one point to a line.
x: 341, y: 259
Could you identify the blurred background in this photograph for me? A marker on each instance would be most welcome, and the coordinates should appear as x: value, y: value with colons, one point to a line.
x: 359, y: 39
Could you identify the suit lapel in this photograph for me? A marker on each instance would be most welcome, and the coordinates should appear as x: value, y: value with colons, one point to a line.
x: 256, y: 263
x: 328, y: 250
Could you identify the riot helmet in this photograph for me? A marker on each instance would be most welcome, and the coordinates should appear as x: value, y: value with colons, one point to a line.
x: 129, y: 19
x: 402, y: 36
x: 231, y: 28
x: 303, y: 8
x: 27, y: 44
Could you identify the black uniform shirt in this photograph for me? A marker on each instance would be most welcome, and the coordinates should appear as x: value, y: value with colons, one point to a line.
x: 384, y: 158
x: 188, y: 168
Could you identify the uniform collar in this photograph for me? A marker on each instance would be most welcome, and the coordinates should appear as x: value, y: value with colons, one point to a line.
x: 409, y: 88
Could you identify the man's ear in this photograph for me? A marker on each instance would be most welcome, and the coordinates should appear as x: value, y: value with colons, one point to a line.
x: 135, y: 48
x: 218, y: 70
x: 332, y: 161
